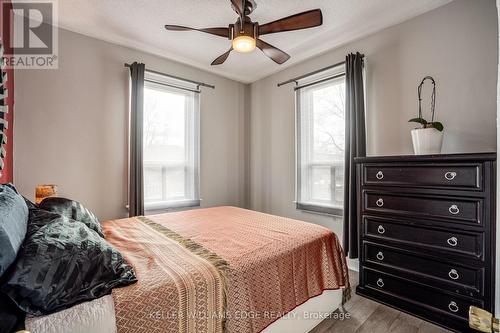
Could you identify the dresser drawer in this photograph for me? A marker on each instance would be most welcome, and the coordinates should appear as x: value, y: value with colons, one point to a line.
x: 450, y: 276
x: 419, y: 294
x: 454, y: 241
x: 453, y: 209
x: 427, y: 234
x: 453, y: 176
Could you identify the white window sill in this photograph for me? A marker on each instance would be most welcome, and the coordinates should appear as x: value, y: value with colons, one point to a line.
x: 164, y: 207
x: 319, y: 209
x: 172, y: 204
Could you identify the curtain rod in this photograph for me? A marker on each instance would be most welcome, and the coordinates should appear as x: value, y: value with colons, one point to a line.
x: 202, y: 84
x: 295, y: 79
x: 320, y: 81
x: 172, y: 86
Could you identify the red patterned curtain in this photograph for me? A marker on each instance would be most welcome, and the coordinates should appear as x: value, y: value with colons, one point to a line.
x: 6, y: 174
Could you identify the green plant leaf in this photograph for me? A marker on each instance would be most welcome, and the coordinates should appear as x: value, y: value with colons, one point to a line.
x: 437, y: 125
x: 418, y: 120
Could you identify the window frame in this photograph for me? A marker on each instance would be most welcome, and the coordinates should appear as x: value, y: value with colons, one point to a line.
x: 192, y: 139
x: 317, y: 80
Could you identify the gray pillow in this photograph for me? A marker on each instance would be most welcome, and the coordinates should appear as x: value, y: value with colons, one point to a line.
x: 13, y: 224
x: 73, y: 210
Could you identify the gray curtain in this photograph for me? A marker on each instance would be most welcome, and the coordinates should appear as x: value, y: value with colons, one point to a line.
x: 355, y: 146
x: 136, y: 177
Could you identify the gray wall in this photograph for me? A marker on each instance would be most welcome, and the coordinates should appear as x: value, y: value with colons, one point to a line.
x: 71, y: 127
x: 456, y: 44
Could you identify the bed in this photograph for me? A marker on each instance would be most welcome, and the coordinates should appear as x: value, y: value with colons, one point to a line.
x: 222, y: 269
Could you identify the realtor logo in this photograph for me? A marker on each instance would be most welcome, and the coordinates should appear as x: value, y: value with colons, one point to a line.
x: 32, y: 34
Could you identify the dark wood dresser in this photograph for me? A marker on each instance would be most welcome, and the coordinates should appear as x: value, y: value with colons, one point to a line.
x: 427, y: 234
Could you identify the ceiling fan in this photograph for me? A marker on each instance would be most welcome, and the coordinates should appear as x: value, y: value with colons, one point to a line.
x: 245, y: 34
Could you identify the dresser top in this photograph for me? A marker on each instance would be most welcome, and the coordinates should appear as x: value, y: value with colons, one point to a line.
x: 488, y: 156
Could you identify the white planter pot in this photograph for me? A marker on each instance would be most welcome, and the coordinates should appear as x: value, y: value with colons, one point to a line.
x: 426, y: 141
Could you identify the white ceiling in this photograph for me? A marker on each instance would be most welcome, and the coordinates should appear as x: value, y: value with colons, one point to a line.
x: 140, y: 24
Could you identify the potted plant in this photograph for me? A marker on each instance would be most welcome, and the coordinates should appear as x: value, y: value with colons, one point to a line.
x: 427, y: 139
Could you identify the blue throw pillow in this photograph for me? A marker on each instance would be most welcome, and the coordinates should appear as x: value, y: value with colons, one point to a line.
x: 13, y: 224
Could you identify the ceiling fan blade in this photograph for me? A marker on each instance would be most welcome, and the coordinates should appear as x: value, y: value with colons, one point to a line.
x: 222, y: 32
x: 220, y: 59
x: 309, y: 19
x: 239, y: 7
x: 272, y: 52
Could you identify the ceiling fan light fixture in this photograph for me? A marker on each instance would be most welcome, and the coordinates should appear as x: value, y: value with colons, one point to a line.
x: 244, y: 44
x: 245, y: 34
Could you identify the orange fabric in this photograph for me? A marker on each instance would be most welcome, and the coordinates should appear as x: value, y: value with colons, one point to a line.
x: 173, y: 287
x: 275, y: 263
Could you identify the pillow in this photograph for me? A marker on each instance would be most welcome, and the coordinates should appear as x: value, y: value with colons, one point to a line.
x: 30, y: 204
x: 62, y: 264
x: 13, y: 224
x: 11, y: 318
x: 39, y: 217
x: 72, y: 210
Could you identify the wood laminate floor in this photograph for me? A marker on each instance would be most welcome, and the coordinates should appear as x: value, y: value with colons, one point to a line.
x: 367, y: 316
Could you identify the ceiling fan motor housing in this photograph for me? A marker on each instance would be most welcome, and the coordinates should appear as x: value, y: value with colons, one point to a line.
x: 249, y: 29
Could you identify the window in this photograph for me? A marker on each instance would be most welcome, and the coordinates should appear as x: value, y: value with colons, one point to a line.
x: 321, y: 143
x: 171, y: 144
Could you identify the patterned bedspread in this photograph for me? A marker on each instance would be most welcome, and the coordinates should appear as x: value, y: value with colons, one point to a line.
x: 220, y: 269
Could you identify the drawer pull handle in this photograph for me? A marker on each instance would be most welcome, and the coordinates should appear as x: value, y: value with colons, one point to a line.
x: 453, y: 274
x: 380, y: 255
x: 380, y: 283
x: 380, y: 202
x: 453, y: 307
x: 379, y: 175
x: 450, y: 175
x: 381, y: 229
x: 454, y: 209
x: 452, y: 241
